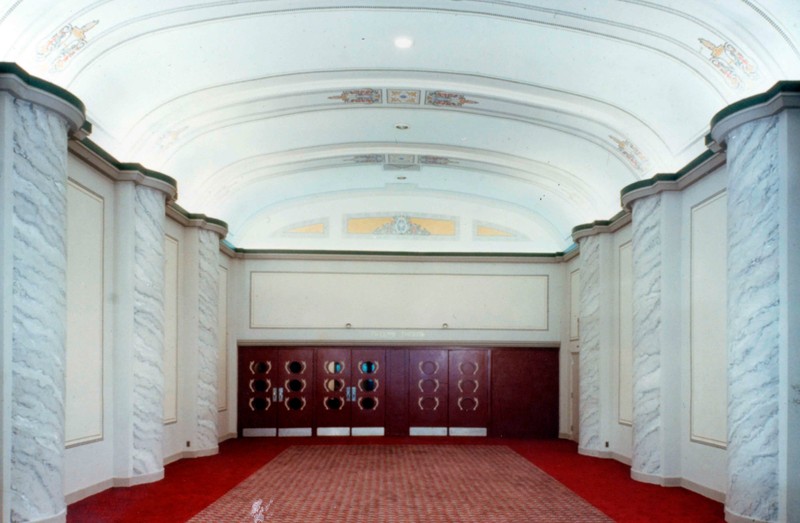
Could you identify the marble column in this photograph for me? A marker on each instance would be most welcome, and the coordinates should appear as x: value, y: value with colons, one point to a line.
x: 206, y: 433
x: 590, y: 310
x: 656, y: 350
x: 757, y: 322
x: 762, y: 136
x: 33, y: 175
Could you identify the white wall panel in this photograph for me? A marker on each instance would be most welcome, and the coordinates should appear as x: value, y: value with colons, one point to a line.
x: 709, y: 394
x: 85, y: 274
x: 222, y: 341
x: 318, y: 300
x: 574, y: 303
x: 171, y: 292
x: 625, y: 381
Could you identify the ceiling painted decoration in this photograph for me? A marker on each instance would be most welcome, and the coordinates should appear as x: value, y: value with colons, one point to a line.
x: 408, y: 125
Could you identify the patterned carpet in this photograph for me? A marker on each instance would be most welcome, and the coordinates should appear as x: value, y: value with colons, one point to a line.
x: 399, y: 484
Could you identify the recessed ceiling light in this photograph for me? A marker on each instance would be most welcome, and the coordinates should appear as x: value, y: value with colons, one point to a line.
x: 403, y: 42
x: 401, y: 126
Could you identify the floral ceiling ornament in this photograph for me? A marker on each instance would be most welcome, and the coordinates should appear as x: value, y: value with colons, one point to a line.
x: 447, y: 99
x: 635, y: 157
x: 64, y: 44
x: 734, y: 66
x: 360, y: 96
x: 402, y: 226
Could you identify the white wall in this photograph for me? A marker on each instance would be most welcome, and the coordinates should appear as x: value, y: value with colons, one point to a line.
x: 704, y: 345
x: 176, y: 391
x: 397, y: 301
x: 88, y: 460
x: 621, y: 309
x: 226, y: 389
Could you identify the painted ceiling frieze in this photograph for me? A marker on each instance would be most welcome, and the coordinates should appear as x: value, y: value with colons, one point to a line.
x: 731, y: 63
x: 632, y: 154
x: 403, y: 96
x: 488, y: 231
x: 447, y: 99
x: 367, y: 158
x: 64, y: 44
x: 400, y: 225
x: 360, y: 96
x: 315, y: 228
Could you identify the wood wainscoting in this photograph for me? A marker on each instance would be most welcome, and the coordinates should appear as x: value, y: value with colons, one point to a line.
x: 397, y: 391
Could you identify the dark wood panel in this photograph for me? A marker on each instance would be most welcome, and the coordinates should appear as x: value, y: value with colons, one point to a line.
x: 427, y: 387
x: 332, y: 380
x: 296, y: 375
x: 369, y: 379
x: 258, y: 373
x: 396, y: 391
x: 469, y: 388
x: 524, y: 393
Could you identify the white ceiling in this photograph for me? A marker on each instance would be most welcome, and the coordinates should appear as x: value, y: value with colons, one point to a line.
x: 546, y: 109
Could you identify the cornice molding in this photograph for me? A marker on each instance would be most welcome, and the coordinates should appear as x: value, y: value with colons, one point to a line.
x: 783, y: 95
x: 701, y: 166
x: 457, y: 257
x: 617, y: 222
x: 16, y: 81
x: 188, y: 219
x: 106, y: 164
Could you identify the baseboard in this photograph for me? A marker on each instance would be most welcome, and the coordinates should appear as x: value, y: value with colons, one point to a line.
x: 61, y: 517
x: 621, y: 458
x: 594, y: 453
x: 139, y: 480
x: 710, y: 493
x: 201, y: 453
x: 656, y: 480
x: 88, y: 491
x: 565, y: 435
x: 732, y: 517
x: 226, y: 437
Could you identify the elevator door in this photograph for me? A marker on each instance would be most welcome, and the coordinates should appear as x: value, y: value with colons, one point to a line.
x: 469, y: 392
x: 428, y: 392
x: 275, y: 391
x: 350, y: 388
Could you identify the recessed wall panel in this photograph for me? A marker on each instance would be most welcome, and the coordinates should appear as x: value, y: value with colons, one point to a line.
x: 222, y: 340
x: 172, y: 279
x: 625, y: 381
x: 574, y: 303
x: 708, y: 298
x: 316, y: 300
x: 84, y: 355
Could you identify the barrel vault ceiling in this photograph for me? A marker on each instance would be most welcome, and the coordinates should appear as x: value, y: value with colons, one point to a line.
x: 404, y: 125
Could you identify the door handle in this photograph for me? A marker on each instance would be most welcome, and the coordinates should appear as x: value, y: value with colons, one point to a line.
x: 350, y: 393
x: 280, y: 394
x: 274, y: 394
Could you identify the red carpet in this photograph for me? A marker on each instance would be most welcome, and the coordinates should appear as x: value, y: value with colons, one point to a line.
x: 193, y: 484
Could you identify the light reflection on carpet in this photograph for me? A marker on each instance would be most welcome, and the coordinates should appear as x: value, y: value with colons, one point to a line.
x: 399, y: 484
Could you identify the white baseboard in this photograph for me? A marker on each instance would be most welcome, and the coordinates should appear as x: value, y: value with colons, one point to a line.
x: 710, y: 493
x: 664, y: 481
x: 88, y: 491
x: 594, y: 453
x: 621, y: 458
x: 61, y: 517
x: 226, y: 437
x: 201, y: 453
x: 732, y: 517
x: 139, y: 480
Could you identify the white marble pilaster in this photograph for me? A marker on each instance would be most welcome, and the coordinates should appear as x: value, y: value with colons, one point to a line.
x: 590, y: 310
x: 36, y: 303
x: 754, y: 304
x: 206, y: 432
x: 147, y: 344
x: 647, y: 325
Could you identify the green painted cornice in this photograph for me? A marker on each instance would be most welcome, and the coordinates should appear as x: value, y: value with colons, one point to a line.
x: 189, y: 219
x: 497, y: 257
x: 102, y: 160
x: 24, y: 86
x: 783, y: 95
x: 618, y: 221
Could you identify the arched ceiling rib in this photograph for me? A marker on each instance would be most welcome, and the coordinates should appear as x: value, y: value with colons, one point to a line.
x: 524, y: 118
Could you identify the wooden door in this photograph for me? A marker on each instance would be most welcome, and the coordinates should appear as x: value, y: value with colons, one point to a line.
x: 524, y: 393
x: 428, y: 392
x: 468, y: 392
x: 368, y: 392
x: 333, y: 387
x: 257, y: 402
x: 296, y: 392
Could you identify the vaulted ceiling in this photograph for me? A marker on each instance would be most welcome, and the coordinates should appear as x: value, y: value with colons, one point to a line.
x: 410, y: 125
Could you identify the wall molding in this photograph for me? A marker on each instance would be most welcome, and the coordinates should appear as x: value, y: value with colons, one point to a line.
x: 617, y: 222
x: 188, y: 219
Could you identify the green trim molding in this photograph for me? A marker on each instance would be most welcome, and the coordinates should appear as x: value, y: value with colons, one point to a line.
x: 668, y: 177
x: 782, y: 87
x: 402, y: 254
x: 128, y: 166
x: 44, y: 85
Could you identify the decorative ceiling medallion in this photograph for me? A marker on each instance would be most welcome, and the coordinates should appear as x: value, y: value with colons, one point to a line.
x: 402, y: 159
x: 64, y: 44
x: 367, y: 158
x: 446, y: 99
x: 402, y: 226
x: 635, y: 157
x: 403, y: 96
x: 360, y: 96
x: 734, y: 66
